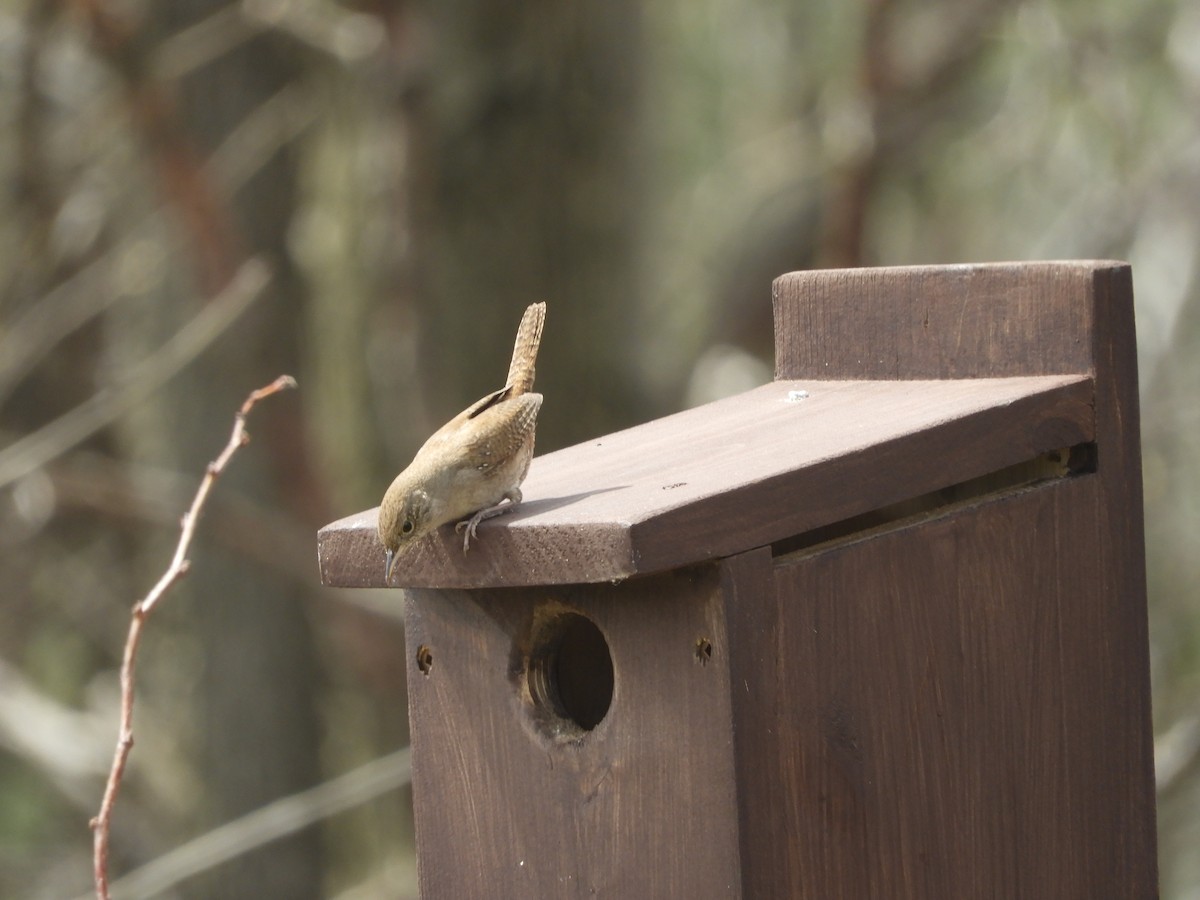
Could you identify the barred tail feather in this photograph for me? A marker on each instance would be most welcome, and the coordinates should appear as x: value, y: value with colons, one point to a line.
x: 529, y: 337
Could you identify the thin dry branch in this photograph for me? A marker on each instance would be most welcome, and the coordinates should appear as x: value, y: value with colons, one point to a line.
x: 142, y: 609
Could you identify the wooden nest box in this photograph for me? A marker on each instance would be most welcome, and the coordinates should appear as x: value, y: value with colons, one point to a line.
x: 875, y: 629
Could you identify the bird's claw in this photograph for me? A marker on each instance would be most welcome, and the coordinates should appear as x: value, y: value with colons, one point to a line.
x: 467, y: 526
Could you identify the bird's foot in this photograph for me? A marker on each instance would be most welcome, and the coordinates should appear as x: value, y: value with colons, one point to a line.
x: 468, y: 526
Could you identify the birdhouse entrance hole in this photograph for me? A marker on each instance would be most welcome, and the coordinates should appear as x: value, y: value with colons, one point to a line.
x: 569, y: 673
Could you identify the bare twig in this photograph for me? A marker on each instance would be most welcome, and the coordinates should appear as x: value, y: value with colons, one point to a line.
x: 176, y: 570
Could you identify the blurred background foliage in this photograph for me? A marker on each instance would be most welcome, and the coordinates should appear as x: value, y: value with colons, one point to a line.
x: 415, y: 173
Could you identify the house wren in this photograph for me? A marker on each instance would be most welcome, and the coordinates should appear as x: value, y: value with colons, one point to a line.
x: 472, y: 463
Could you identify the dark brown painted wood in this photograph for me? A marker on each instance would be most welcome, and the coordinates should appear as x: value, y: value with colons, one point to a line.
x: 642, y: 806
x: 989, y: 320
x: 959, y: 706
x: 943, y: 710
x: 733, y: 475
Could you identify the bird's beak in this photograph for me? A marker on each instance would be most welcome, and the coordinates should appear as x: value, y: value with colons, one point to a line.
x: 391, y: 564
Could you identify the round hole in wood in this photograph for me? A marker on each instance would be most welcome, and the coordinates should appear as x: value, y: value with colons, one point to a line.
x: 570, y: 673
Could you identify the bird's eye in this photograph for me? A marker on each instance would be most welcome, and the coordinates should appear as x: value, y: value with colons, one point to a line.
x: 407, y: 527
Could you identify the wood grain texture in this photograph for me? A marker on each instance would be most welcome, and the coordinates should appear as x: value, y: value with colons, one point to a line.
x: 946, y: 710
x: 732, y: 475
x: 642, y: 806
x: 990, y: 320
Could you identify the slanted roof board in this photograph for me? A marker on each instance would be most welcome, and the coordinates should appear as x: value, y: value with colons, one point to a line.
x: 732, y: 475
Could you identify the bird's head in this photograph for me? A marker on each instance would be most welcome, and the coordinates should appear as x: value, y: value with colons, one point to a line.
x: 404, y: 518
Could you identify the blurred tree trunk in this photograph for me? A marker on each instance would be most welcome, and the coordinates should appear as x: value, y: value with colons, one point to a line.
x: 258, y: 728
x: 524, y: 179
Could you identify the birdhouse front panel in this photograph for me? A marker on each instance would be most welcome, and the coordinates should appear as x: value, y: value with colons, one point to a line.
x: 574, y: 741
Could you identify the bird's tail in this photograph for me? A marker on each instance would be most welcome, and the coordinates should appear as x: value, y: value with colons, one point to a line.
x: 529, y: 337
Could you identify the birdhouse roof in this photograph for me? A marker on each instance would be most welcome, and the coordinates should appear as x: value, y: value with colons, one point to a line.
x: 761, y: 468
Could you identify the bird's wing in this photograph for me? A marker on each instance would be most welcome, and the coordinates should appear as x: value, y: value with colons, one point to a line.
x: 497, y: 420
x: 499, y: 434
x: 455, y: 425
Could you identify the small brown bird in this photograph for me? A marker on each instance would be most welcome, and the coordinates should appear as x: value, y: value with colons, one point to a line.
x: 472, y: 463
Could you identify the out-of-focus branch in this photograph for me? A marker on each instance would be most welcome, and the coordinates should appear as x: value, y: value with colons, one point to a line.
x: 268, y: 823
x: 855, y: 176
x: 63, y: 743
x: 68, y: 306
x: 141, y: 610
x: 60, y: 435
x: 33, y: 187
x: 185, y: 184
x: 326, y: 27
x: 119, y: 490
x: 198, y: 45
x: 896, y: 112
x: 272, y: 125
x: 1176, y: 754
x: 87, y: 293
x: 273, y: 540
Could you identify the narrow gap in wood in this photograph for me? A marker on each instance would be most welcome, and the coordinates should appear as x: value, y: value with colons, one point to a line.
x: 1063, y: 463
